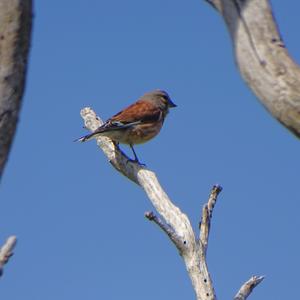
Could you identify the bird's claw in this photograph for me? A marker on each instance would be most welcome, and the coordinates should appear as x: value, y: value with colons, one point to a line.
x: 135, y: 161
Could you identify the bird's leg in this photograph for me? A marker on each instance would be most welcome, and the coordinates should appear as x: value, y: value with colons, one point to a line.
x: 136, y: 160
x: 117, y: 146
x: 135, y: 156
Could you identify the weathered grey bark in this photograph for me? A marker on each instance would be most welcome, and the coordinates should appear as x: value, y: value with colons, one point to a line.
x: 262, y: 58
x: 15, y: 33
x: 6, y: 251
x: 174, y: 222
x: 247, y: 288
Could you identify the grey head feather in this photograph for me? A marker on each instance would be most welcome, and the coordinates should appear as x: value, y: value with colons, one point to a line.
x: 160, y: 98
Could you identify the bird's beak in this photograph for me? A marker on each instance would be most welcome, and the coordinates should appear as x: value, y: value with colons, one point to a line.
x: 172, y: 104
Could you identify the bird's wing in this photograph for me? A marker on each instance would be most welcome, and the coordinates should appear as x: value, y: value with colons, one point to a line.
x: 139, y: 112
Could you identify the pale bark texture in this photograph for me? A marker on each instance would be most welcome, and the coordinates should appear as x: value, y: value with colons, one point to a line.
x: 173, y: 222
x: 6, y: 251
x: 248, y: 287
x: 15, y: 32
x: 262, y: 58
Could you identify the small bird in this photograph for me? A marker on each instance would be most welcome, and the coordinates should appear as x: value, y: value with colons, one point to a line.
x: 138, y: 123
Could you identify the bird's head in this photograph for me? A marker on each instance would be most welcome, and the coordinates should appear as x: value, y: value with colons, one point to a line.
x: 159, y: 98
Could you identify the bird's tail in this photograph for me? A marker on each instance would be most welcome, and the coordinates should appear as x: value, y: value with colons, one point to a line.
x: 85, y: 138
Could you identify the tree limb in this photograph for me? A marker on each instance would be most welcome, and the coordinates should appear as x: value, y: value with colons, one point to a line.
x: 6, y: 252
x: 167, y: 230
x: 15, y: 24
x: 175, y: 223
x: 262, y: 58
x: 207, y: 215
x: 143, y: 177
x: 248, y: 287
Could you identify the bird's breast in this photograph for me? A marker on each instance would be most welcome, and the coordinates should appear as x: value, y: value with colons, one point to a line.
x: 140, y: 133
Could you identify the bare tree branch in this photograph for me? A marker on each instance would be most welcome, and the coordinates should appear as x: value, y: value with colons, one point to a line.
x: 6, y: 251
x: 174, y: 223
x: 248, y: 287
x: 143, y: 177
x: 168, y: 230
x: 15, y: 24
x: 262, y: 58
x: 172, y: 215
x: 207, y: 215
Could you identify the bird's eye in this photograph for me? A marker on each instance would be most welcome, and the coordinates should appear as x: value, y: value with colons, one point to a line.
x: 167, y: 99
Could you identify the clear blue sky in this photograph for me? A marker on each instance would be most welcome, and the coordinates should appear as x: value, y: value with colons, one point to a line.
x: 81, y: 227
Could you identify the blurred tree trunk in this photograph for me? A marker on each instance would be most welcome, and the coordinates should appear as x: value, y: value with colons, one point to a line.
x: 15, y: 33
x: 262, y: 58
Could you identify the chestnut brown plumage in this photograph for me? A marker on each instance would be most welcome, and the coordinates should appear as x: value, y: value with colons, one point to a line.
x: 138, y: 123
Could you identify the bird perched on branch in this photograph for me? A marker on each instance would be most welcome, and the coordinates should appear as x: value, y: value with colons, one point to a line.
x: 138, y: 123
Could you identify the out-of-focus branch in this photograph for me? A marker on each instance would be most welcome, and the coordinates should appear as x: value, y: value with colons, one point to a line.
x: 15, y: 24
x: 248, y: 287
x: 6, y: 251
x: 262, y: 58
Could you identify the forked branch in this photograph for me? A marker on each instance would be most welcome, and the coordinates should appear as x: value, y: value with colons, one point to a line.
x: 174, y: 222
x: 168, y: 230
